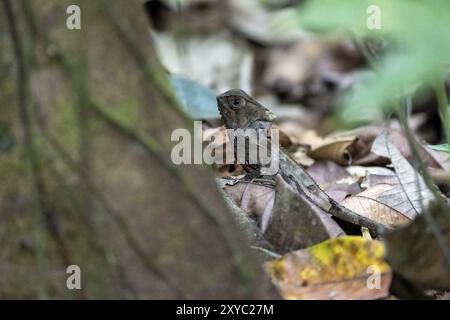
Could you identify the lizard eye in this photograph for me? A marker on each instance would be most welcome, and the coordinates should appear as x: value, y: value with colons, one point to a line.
x: 237, y: 102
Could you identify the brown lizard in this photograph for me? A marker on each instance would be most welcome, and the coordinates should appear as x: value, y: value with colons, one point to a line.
x: 240, y: 111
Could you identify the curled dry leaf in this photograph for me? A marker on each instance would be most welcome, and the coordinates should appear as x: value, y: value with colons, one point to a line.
x: 328, y: 148
x: 397, y: 202
x: 362, y: 154
x: 341, y: 268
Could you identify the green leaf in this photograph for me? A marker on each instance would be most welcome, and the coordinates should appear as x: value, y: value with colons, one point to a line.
x: 418, y: 48
x: 440, y: 147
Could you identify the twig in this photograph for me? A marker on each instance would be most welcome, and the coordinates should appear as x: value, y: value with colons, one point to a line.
x: 267, y: 252
x: 443, y: 106
x: 440, y: 176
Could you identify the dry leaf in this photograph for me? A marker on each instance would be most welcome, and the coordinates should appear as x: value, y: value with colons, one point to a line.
x: 328, y: 148
x: 254, y: 198
x: 334, y: 179
x: 362, y: 154
x: 371, y: 176
x: 367, y: 205
x: 410, y: 195
x: 416, y: 255
x: 335, y: 269
x: 295, y: 223
x: 217, y: 139
x: 301, y: 157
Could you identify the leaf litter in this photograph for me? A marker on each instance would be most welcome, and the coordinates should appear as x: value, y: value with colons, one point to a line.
x: 370, y: 170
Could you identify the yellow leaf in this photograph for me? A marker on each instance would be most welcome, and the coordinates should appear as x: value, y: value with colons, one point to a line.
x: 334, y: 269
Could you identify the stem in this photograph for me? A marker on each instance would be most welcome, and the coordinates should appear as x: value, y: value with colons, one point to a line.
x: 442, y: 205
x: 443, y: 105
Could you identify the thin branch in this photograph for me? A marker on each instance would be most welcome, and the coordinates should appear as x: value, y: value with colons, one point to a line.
x: 443, y: 106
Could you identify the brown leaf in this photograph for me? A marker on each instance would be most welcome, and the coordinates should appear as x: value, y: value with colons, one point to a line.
x: 254, y: 198
x: 328, y: 148
x: 334, y: 269
x: 371, y: 176
x: 296, y: 223
x: 217, y: 139
x: 361, y: 150
x: 414, y: 252
x: 365, y: 204
x: 410, y: 195
x: 334, y: 179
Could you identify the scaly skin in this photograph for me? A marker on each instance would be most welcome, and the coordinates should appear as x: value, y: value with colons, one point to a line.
x: 240, y: 111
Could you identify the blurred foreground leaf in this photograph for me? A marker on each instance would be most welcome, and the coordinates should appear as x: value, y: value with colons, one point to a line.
x: 440, y: 147
x: 340, y: 268
x: 417, y: 256
x: 197, y: 100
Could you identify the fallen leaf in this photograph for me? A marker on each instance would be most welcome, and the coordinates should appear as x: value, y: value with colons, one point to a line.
x: 416, y: 255
x: 362, y: 154
x: 253, y: 198
x: 301, y: 157
x: 333, y: 179
x: 371, y: 176
x: 296, y: 223
x: 367, y: 205
x: 217, y: 139
x: 328, y: 148
x: 326, y: 171
x: 335, y: 269
x: 410, y: 195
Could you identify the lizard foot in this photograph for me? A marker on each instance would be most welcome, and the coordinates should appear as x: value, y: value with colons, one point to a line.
x: 268, y: 181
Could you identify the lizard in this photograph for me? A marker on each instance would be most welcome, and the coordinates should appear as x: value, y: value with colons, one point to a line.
x: 240, y: 111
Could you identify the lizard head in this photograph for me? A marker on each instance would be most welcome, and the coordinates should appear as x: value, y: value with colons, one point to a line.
x: 240, y: 111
